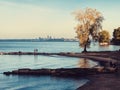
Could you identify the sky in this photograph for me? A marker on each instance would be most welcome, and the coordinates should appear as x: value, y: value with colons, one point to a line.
x: 38, y: 18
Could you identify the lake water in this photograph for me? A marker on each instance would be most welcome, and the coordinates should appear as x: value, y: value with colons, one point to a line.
x: 12, y: 62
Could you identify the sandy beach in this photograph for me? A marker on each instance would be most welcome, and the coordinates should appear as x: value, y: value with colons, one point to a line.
x: 102, y: 82
x: 105, y: 81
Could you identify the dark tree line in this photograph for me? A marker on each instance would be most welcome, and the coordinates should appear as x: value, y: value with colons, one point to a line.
x: 116, y: 36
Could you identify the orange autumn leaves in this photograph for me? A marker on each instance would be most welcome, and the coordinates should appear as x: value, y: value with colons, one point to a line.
x: 89, y: 24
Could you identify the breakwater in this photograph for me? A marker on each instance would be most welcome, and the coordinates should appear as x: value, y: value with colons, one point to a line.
x: 64, y: 72
x: 26, y: 53
x: 104, y: 56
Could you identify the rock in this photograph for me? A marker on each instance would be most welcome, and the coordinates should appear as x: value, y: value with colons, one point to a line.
x: 70, y: 72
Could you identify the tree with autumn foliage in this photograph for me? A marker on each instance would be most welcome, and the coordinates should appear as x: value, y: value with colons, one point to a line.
x: 104, y: 36
x: 89, y: 24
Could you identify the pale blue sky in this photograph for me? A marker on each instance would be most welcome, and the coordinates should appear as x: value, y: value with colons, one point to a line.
x: 35, y: 18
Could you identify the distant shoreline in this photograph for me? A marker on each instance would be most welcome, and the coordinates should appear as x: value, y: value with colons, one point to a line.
x: 39, y: 40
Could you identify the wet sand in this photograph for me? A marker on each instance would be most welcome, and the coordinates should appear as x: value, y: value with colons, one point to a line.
x: 102, y: 82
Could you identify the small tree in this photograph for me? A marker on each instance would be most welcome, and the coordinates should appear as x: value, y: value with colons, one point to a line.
x: 104, y: 36
x: 116, y: 36
x: 89, y: 23
x: 116, y: 33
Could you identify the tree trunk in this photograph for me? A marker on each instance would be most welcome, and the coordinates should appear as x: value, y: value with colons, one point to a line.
x: 85, y: 48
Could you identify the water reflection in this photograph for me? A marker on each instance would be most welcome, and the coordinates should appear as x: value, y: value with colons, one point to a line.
x: 35, y: 57
x: 86, y: 63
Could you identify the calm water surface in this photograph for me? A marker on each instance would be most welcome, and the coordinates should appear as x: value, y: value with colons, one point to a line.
x: 9, y: 62
x: 51, y: 46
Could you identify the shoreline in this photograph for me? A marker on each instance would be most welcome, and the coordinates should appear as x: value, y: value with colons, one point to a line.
x: 102, y: 82
x: 101, y: 56
x: 97, y: 81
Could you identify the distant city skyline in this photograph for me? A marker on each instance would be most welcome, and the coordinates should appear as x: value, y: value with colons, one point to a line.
x: 39, y: 18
